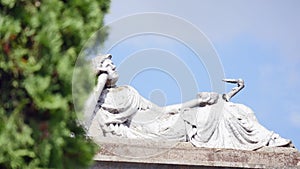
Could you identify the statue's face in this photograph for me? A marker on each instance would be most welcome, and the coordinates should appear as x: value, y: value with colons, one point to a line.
x: 110, y: 68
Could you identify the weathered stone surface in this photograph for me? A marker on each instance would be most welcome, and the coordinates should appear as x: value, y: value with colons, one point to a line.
x: 133, y: 154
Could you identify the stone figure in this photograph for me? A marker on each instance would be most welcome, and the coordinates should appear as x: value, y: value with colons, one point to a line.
x: 210, y: 120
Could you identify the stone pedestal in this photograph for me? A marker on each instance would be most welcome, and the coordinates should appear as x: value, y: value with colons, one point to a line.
x: 133, y: 154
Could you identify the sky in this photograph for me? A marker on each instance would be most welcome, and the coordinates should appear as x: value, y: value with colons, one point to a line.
x: 205, y: 40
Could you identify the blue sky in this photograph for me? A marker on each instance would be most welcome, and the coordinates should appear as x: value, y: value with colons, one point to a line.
x: 258, y: 41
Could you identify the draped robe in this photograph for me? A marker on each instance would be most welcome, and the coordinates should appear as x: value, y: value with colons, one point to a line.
x: 122, y: 112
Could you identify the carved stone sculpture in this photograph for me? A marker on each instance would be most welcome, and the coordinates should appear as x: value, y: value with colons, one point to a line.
x: 210, y: 120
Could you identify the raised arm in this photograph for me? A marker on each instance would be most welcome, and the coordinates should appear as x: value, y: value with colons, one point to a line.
x: 101, y: 81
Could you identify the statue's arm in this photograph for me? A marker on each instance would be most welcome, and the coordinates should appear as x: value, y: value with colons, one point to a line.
x: 203, y: 98
x: 178, y: 107
x: 101, y: 81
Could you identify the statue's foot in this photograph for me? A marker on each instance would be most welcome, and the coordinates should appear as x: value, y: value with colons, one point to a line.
x: 277, y: 141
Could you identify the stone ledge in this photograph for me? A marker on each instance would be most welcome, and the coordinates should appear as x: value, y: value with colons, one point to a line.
x: 144, y: 154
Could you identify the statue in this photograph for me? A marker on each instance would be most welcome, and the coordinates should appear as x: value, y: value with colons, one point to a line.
x: 210, y: 120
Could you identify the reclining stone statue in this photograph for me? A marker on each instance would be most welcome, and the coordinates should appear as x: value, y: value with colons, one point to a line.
x: 210, y: 120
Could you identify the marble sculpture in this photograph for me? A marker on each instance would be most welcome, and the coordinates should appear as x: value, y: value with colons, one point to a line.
x: 210, y: 120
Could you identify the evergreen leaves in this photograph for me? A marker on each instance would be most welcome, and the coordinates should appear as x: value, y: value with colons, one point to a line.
x: 39, y: 44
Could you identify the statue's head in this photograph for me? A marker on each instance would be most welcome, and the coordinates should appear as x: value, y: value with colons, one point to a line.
x: 98, y: 61
x: 104, y: 64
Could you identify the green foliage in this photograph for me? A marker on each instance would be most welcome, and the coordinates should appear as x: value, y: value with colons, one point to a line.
x: 39, y: 44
